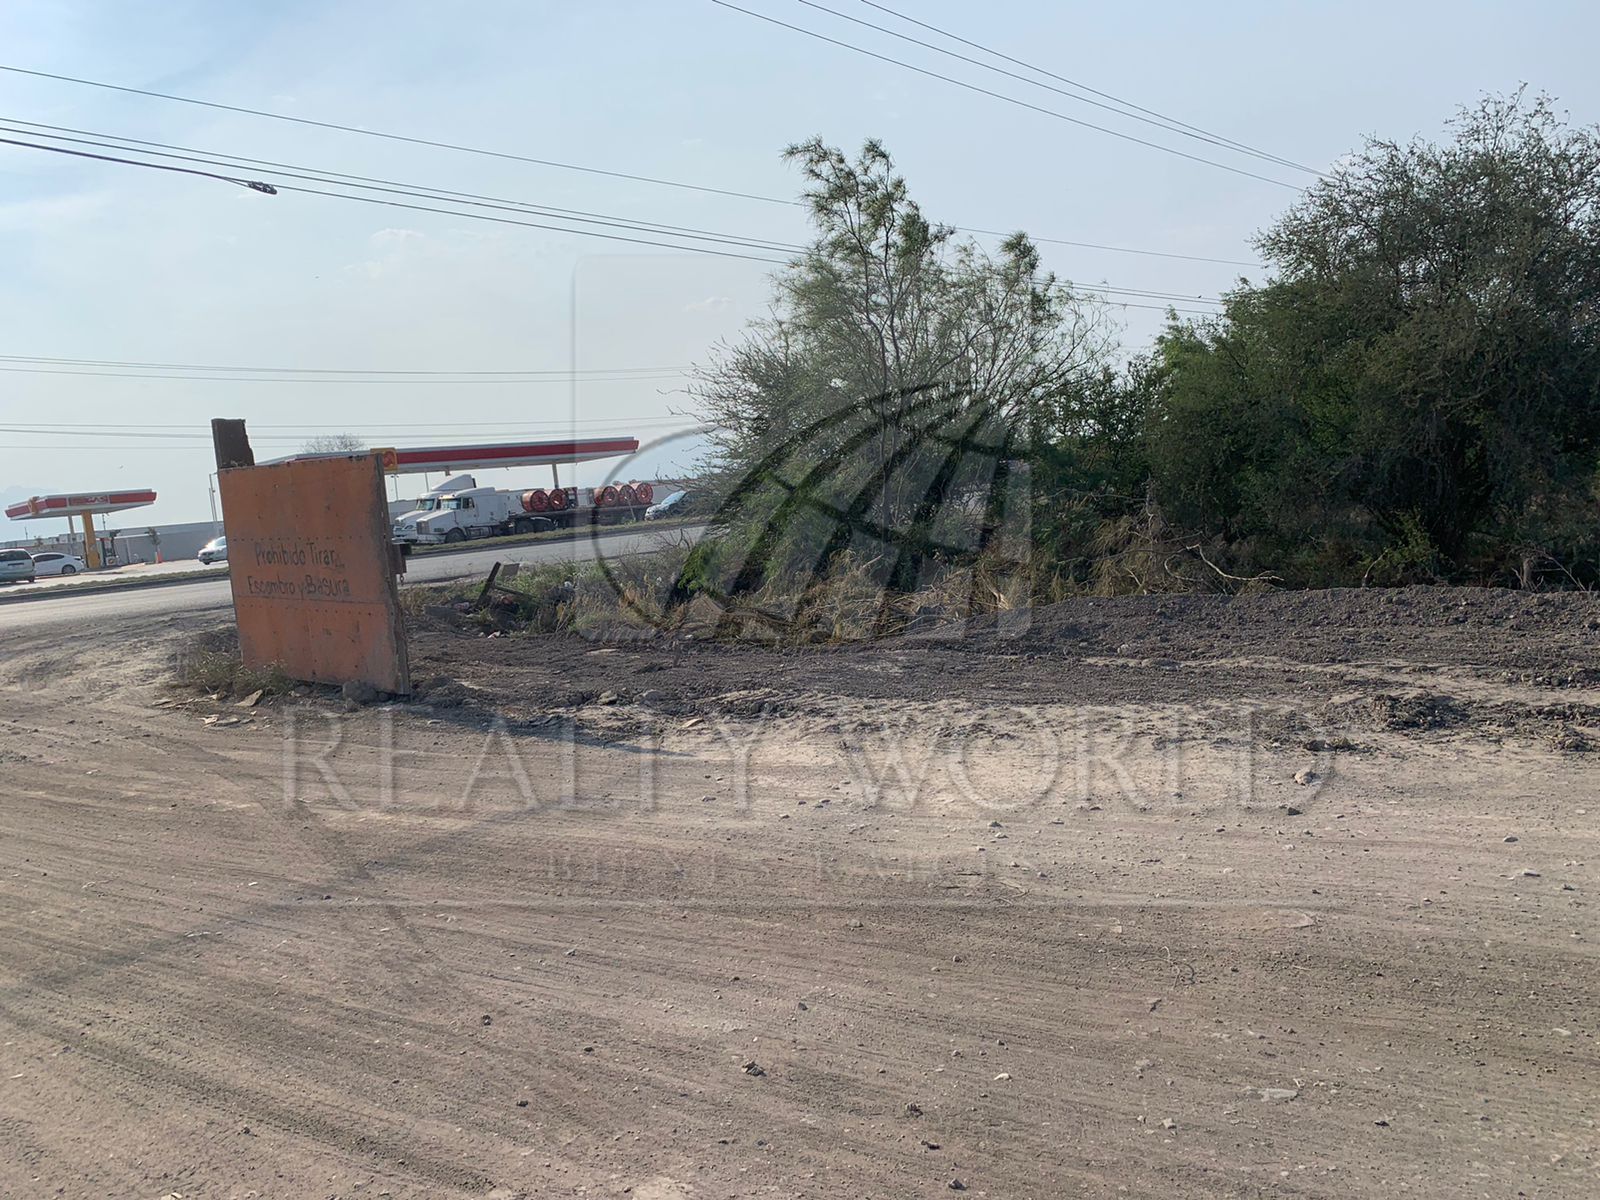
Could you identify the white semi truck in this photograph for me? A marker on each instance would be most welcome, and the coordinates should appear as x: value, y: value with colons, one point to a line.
x: 458, y: 509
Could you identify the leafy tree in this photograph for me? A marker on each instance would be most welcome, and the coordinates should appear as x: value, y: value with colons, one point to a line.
x: 888, y: 340
x: 1417, y: 392
x: 884, y: 299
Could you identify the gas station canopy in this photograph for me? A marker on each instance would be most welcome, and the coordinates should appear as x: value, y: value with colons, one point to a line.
x: 83, y: 505
x: 418, y: 459
x: 509, y: 454
x: 77, y: 504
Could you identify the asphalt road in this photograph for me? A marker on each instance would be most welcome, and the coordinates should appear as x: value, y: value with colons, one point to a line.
x: 140, y: 571
x: 101, y: 607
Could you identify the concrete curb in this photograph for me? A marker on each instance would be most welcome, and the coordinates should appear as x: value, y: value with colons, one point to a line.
x: 134, y: 583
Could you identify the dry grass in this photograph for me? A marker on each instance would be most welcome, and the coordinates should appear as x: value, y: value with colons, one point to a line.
x: 1141, y: 555
x: 640, y: 597
x: 222, y: 672
x: 683, y: 589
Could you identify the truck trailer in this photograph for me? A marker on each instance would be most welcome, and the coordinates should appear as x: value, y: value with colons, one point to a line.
x: 458, y: 509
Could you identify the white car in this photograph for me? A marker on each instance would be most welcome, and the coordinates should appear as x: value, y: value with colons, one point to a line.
x: 51, y: 562
x: 663, y: 508
x: 214, y: 551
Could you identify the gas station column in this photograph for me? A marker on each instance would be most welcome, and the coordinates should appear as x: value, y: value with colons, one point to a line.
x: 91, y: 544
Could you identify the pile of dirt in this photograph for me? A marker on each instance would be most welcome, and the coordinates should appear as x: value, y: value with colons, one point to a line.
x: 1551, y: 635
x: 1424, y: 710
x: 1414, y: 661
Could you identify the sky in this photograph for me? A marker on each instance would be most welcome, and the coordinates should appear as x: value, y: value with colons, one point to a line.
x: 118, y: 264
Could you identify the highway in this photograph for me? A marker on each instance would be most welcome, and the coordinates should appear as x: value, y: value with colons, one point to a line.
x: 106, y: 608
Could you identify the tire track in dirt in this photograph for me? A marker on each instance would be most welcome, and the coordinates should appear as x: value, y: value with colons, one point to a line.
x: 250, y: 1104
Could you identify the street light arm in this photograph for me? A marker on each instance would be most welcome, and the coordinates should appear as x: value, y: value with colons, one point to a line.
x: 254, y: 185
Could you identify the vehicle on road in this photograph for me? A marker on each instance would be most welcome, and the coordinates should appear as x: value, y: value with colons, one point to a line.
x: 53, y: 562
x: 214, y: 551
x: 459, y: 509
x: 16, y: 566
x: 665, y: 507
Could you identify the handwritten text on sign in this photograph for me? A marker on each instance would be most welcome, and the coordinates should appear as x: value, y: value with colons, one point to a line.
x: 301, y: 568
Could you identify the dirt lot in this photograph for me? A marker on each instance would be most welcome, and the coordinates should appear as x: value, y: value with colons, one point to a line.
x: 1280, y: 896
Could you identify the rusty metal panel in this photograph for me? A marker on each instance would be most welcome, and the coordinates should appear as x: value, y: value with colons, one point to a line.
x: 312, y: 570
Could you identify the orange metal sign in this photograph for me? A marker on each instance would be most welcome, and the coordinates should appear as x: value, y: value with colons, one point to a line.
x: 312, y: 572
x: 388, y: 458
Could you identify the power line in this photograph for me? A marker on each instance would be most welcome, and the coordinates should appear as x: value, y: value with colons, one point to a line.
x: 561, y: 375
x: 393, y: 187
x: 174, y: 377
x: 1154, y: 119
x: 381, y: 433
x: 1229, y: 262
x: 165, y: 449
x: 973, y: 87
x: 1174, y: 123
x: 569, y: 214
x: 91, y: 431
x: 393, y: 137
x: 370, y: 183
x: 671, y: 183
x: 1146, y: 293
x: 75, y: 447
x: 613, y: 237
x: 196, y: 427
x: 1199, y: 312
x: 301, y: 439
